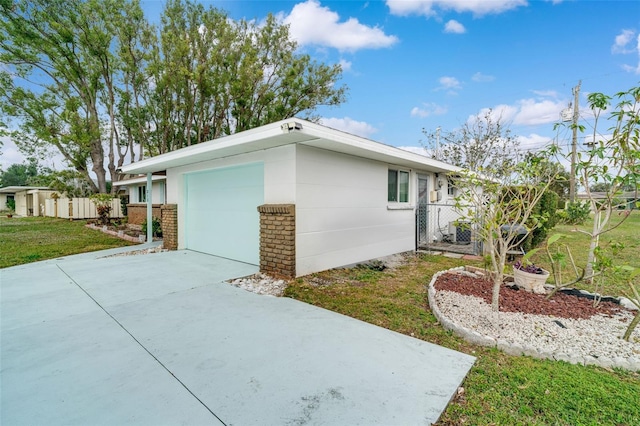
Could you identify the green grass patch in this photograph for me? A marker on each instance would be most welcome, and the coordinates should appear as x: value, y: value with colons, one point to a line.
x: 627, y: 233
x: 30, y: 239
x: 500, y: 389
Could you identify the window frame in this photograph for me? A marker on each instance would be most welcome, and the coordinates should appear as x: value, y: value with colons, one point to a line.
x: 398, y: 189
x: 142, y: 193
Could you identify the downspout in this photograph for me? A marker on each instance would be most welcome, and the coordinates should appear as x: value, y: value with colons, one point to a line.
x: 149, y: 210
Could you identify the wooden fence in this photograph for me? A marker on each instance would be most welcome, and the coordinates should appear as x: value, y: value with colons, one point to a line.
x: 78, y: 208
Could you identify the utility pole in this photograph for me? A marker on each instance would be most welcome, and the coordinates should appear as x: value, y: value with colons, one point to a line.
x: 574, y: 142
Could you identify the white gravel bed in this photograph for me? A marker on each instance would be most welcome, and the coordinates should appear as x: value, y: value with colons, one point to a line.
x: 152, y: 250
x: 261, y: 284
x: 598, y: 339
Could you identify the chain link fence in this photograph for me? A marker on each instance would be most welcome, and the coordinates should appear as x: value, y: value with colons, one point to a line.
x: 441, y: 228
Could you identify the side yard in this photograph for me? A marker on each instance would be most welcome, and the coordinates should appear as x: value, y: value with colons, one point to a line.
x: 30, y: 239
x: 500, y: 389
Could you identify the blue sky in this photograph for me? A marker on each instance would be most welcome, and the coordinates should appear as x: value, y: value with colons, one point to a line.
x: 418, y: 64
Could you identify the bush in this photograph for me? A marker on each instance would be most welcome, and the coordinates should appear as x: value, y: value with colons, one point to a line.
x: 103, y: 206
x: 124, y: 200
x: 11, y: 204
x: 575, y: 214
x: 546, y: 213
x: 156, y: 229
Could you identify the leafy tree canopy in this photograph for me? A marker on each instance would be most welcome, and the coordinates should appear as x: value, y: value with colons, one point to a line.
x: 94, y: 81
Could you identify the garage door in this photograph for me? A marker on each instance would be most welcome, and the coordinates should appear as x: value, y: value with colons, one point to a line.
x: 221, y: 211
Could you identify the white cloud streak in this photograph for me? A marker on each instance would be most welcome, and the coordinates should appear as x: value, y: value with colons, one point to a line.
x: 428, y: 109
x: 346, y: 124
x: 313, y: 24
x: 526, y: 112
x: 482, y: 78
x: 627, y: 43
x: 430, y: 8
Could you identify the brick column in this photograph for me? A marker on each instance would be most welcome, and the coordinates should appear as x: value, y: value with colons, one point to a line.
x: 278, y: 239
x: 169, y: 225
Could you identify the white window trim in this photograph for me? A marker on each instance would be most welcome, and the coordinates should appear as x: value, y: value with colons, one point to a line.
x: 400, y: 205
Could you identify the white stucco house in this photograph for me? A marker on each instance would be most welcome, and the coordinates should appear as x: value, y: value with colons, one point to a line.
x: 296, y: 197
x: 29, y: 199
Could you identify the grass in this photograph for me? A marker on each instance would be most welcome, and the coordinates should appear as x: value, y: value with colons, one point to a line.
x: 628, y: 233
x: 499, y: 389
x: 30, y: 239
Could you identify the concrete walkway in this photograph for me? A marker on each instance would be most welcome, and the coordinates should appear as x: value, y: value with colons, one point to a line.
x: 159, y: 339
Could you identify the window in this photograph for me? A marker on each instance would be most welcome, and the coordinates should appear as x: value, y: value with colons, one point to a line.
x: 142, y: 194
x: 398, y: 186
x: 451, y: 188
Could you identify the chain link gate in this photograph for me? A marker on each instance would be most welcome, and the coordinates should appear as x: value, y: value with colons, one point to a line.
x: 439, y: 227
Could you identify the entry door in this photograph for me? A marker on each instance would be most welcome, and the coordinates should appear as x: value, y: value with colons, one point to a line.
x: 422, y: 211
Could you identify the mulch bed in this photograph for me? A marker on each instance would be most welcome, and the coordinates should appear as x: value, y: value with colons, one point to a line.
x: 515, y: 300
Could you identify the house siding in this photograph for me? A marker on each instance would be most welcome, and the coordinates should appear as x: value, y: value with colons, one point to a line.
x: 342, y: 213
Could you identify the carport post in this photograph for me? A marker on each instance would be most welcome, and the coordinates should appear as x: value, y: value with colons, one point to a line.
x: 149, y: 210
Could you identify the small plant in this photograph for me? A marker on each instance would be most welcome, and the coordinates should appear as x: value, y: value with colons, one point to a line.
x: 103, y: 206
x: 11, y: 205
x: 634, y: 297
x: 526, y: 265
x: 156, y: 228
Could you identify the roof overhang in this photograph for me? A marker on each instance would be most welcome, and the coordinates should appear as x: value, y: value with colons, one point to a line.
x: 139, y: 180
x: 286, y: 132
x: 14, y: 189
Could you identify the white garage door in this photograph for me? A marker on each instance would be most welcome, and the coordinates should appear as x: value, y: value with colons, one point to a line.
x: 221, y: 211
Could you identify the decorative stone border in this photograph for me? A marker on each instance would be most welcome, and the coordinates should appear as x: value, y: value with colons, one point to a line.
x: 120, y: 234
x: 515, y: 349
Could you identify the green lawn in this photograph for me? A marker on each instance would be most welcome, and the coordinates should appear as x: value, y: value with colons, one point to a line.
x: 628, y: 233
x: 499, y: 389
x: 29, y: 239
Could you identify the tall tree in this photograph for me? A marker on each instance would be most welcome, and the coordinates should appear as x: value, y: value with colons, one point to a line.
x: 215, y: 76
x: 92, y: 80
x: 483, y: 142
x: 18, y: 174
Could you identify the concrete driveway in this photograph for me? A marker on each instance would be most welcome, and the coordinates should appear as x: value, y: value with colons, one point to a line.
x: 159, y: 339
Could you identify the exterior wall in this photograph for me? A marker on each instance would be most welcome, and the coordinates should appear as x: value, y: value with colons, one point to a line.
x: 3, y: 201
x: 157, y: 192
x: 342, y: 213
x: 279, y: 179
x: 137, y: 213
x: 170, y: 226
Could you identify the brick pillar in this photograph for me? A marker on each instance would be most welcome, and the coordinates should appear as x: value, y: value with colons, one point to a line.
x: 278, y: 239
x: 169, y: 225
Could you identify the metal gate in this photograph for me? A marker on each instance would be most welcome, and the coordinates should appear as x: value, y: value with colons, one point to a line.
x: 440, y: 227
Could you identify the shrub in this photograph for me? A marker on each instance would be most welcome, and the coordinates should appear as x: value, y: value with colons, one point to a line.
x: 156, y: 229
x: 575, y: 213
x: 11, y: 204
x: 103, y: 206
x: 124, y: 200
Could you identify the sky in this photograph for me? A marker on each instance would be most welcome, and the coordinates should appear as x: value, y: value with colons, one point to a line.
x: 411, y: 65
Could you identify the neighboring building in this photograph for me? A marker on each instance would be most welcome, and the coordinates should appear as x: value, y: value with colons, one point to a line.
x: 30, y: 200
x: 629, y: 200
x: 136, y: 191
x: 296, y: 197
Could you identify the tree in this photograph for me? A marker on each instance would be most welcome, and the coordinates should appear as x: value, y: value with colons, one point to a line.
x: 484, y: 142
x: 613, y: 161
x: 19, y: 174
x: 500, y: 203
x: 62, y: 72
x: 215, y: 76
x: 92, y: 80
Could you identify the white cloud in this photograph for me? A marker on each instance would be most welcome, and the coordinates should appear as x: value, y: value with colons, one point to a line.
x: 526, y: 112
x: 627, y: 43
x: 546, y: 93
x: 451, y: 83
x: 454, y: 27
x: 533, y: 141
x: 620, y: 44
x: 429, y: 7
x: 312, y: 24
x: 415, y: 149
x: 428, y: 109
x: 482, y: 78
x: 346, y: 65
x: 346, y: 124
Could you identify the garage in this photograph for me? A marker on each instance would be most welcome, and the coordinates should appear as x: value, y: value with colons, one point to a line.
x: 221, y: 216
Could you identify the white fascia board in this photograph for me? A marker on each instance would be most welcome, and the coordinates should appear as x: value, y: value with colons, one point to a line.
x: 258, y: 139
x: 275, y: 134
x: 13, y: 189
x: 141, y: 179
x: 355, y: 145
